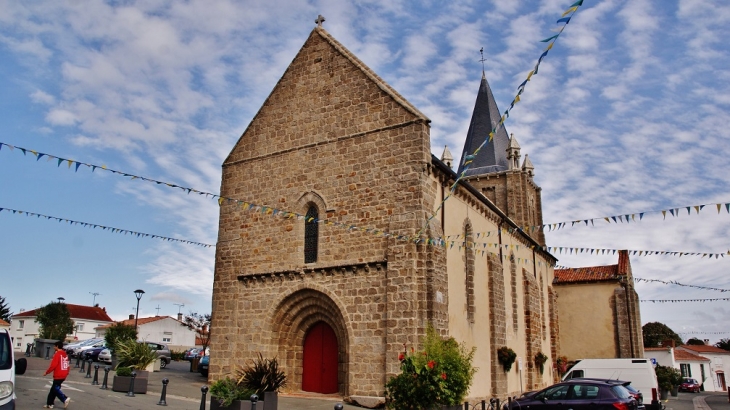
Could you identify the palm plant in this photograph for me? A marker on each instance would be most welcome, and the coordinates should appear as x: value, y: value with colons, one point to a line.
x: 262, y: 375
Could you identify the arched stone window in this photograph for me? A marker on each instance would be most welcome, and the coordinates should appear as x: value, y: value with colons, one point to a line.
x: 311, y: 234
x: 513, y: 284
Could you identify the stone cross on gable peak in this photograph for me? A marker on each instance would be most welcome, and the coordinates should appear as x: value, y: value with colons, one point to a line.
x: 319, y: 20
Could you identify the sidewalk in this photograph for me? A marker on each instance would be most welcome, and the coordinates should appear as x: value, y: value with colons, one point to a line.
x: 183, y: 391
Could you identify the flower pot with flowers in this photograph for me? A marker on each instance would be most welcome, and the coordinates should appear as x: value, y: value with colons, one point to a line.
x: 437, y: 377
x: 506, y: 357
x: 561, y: 363
x: 540, y: 359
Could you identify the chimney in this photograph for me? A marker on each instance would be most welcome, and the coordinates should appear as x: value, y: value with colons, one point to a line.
x: 668, y: 343
x: 131, y: 316
x: 707, y: 341
x: 179, y: 316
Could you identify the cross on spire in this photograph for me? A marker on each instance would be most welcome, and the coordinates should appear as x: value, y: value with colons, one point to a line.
x: 481, y: 51
x: 319, y: 20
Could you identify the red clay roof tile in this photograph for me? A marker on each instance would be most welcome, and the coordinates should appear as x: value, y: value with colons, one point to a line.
x: 77, y: 312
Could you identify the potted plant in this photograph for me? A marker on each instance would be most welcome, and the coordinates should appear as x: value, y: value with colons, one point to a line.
x: 134, y: 356
x: 506, y: 357
x: 264, y: 378
x: 540, y: 359
x: 562, y: 364
x: 226, y: 394
x: 123, y: 380
x: 667, y: 378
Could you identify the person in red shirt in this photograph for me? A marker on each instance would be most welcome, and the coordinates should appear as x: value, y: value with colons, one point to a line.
x: 60, y: 367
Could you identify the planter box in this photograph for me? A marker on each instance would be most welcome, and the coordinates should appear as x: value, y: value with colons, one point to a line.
x: 236, y: 405
x: 271, y: 398
x: 121, y: 384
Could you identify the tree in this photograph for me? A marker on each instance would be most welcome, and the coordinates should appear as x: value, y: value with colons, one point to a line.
x: 723, y: 344
x: 695, y: 341
x: 655, y: 333
x: 119, y: 332
x: 5, y: 312
x: 200, y: 324
x: 55, y: 321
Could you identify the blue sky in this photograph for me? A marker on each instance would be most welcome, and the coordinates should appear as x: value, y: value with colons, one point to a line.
x: 628, y: 114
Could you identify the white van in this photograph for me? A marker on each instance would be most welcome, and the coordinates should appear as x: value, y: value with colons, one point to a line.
x: 8, y: 369
x: 640, y: 372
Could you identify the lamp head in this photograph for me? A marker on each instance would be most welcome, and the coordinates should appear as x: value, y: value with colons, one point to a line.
x: 138, y: 293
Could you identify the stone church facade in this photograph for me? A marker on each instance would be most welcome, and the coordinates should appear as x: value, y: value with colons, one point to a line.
x: 323, y: 269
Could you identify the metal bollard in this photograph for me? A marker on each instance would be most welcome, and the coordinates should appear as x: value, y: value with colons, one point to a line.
x: 203, y: 389
x: 83, y: 366
x: 162, y: 401
x: 77, y: 362
x: 95, y: 382
x: 88, y: 370
x: 48, y: 350
x: 130, y: 393
x: 254, y: 400
x: 466, y: 405
x: 106, y: 377
x: 339, y: 406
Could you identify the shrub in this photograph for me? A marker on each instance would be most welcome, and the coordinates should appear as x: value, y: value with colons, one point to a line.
x: 176, y: 355
x: 225, y: 391
x: 133, y: 354
x: 124, y: 371
x: 119, y: 332
x: 262, y: 375
x: 506, y: 357
x: 439, y: 375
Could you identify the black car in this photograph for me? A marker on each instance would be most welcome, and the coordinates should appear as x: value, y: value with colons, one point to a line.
x: 632, y: 390
x: 93, y: 353
x: 579, y: 394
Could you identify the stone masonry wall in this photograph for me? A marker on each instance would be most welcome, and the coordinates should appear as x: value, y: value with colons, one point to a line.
x: 497, y: 322
x: 327, y: 135
x: 532, y: 328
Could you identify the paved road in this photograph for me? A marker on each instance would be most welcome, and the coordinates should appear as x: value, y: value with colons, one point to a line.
x: 184, y: 392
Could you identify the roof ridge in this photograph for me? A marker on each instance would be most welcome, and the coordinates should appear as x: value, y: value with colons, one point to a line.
x: 382, y: 84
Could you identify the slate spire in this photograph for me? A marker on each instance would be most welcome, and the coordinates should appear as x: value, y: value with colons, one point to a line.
x: 493, y: 156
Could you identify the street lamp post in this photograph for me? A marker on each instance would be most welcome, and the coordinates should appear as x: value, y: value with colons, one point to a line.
x: 138, y: 293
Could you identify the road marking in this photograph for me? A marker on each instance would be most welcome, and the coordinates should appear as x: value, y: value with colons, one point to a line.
x: 700, y: 403
x: 75, y: 389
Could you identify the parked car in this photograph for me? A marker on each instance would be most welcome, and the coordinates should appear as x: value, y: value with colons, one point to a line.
x: 105, y: 356
x: 9, y: 367
x: 79, y: 351
x: 162, y: 351
x: 74, y: 349
x: 191, y: 353
x: 690, y: 385
x: 638, y: 396
x: 579, y: 394
x: 93, y: 353
x: 203, y: 365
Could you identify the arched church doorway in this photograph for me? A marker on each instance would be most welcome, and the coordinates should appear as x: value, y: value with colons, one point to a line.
x: 320, y: 363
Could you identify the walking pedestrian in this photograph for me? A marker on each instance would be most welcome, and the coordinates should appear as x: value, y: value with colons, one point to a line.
x: 60, y: 368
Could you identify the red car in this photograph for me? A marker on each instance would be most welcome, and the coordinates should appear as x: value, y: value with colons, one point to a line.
x: 689, y: 385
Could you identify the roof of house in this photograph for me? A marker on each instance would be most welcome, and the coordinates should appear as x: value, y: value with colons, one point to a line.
x: 704, y: 349
x: 595, y: 273
x: 4, y: 323
x: 77, y: 312
x: 656, y: 349
x: 492, y: 157
x: 140, y: 321
x: 683, y: 355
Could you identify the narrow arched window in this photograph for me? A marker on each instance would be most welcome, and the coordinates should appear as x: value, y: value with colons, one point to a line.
x: 311, y: 235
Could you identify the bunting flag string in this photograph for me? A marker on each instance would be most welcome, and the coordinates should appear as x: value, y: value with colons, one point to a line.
x: 683, y: 300
x: 671, y: 282
x: 633, y: 252
x: 105, y: 228
x: 468, y: 159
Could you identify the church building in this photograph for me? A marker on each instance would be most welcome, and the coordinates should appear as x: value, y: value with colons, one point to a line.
x: 337, y: 247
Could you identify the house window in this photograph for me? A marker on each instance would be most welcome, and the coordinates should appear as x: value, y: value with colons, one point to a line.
x: 21, y: 324
x: 167, y: 337
x: 685, y: 369
x: 311, y: 235
x: 79, y: 327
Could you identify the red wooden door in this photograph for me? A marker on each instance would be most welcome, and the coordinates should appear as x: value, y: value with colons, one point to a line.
x: 320, y: 360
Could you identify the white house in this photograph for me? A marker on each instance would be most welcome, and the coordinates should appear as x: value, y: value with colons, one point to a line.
x: 160, y: 329
x: 24, y: 328
x: 719, y: 364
